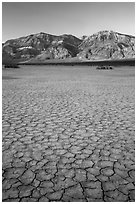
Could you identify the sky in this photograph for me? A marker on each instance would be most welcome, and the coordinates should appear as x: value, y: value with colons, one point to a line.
x: 76, y: 18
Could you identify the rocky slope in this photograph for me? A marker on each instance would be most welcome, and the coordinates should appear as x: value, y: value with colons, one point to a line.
x: 107, y: 45
x: 43, y: 46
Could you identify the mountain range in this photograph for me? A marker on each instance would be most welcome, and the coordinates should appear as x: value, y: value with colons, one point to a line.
x: 42, y: 46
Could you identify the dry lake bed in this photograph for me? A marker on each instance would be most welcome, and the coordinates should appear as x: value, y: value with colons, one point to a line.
x: 68, y: 134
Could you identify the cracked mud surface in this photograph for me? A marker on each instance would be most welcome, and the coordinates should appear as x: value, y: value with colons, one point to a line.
x: 68, y: 135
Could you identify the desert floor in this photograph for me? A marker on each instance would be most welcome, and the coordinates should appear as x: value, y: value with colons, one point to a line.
x: 68, y: 134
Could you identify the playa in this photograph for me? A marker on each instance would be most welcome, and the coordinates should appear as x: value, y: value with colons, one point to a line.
x: 68, y: 134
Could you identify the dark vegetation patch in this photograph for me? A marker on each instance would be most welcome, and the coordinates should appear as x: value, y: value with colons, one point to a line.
x: 8, y: 77
x: 11, y: 66
x: 104, y: 67
x: 120, y: 62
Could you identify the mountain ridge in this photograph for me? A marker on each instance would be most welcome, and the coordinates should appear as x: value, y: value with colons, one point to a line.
x: 43, y: 46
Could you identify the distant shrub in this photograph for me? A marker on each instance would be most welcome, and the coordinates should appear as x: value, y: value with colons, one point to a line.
x: 11, y: 66
x: 104, y: 67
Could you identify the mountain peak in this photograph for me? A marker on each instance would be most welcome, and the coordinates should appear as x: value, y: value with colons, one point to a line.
x: 107, y: 44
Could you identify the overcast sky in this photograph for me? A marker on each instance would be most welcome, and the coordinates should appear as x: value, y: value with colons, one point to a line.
x: 24, y: 18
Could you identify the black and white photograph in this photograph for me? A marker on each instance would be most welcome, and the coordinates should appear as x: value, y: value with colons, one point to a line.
x: 68, y: 101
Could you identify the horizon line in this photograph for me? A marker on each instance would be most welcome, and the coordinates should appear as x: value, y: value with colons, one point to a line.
x: 71, y: 34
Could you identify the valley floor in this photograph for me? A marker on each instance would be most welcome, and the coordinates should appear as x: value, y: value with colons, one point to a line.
x: 68, y: 134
